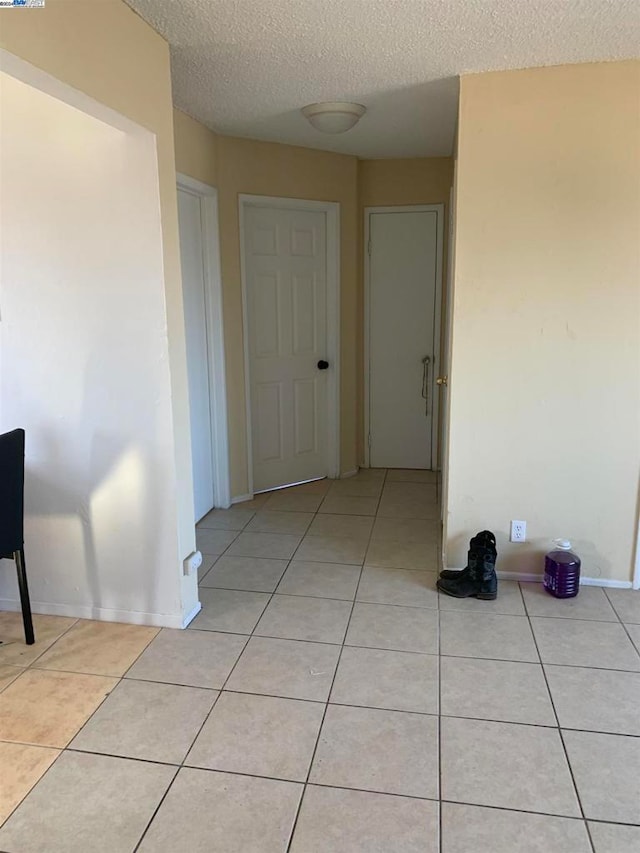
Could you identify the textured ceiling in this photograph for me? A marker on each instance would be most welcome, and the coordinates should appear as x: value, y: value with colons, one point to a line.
x: 246, y: 67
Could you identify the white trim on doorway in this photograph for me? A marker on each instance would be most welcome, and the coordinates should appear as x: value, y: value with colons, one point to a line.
x: 332, y: 212
x: 438, y: 209
x: 215, y: 336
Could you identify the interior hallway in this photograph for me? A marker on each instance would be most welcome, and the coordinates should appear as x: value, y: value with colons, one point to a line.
x: 328, y: 699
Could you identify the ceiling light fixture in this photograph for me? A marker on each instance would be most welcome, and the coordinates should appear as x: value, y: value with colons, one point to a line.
x: 333, y: 116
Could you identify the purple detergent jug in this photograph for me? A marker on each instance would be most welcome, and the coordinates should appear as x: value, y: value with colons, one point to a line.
x: 562, y: 571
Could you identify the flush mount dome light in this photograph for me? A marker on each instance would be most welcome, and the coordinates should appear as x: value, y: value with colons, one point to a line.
x: 333, y: 116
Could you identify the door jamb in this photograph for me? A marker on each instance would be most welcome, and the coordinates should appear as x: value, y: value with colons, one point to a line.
x: 332, y: 212
x: 215, y: 335
x: 438, y: 209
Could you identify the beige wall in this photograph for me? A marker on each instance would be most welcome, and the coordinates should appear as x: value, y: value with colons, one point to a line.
x: 545, y: 390
x: 108, y: 52
x: 421, y: 180
x: 196, y: 149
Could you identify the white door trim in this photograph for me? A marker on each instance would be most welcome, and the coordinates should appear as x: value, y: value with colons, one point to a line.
x: 215, y: 336
x: 332, y: 211
x: 438, y: 209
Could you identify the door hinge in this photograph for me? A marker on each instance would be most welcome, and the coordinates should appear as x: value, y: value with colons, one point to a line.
x: 369, y: 248
x: 369, y: 439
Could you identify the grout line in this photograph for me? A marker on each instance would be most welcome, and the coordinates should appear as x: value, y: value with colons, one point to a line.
x: 326, y: 708
x: 559, y: 729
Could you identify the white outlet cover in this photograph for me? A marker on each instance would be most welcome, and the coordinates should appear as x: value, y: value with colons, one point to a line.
x: 192, y: 563
x: 518, y: 531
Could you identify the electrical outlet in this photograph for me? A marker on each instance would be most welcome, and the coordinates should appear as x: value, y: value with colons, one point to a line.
x: 518, y: 531
x: 192, y: 563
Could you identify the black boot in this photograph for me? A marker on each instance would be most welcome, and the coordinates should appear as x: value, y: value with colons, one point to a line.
x: 484, y: 539
x: 478, y: 580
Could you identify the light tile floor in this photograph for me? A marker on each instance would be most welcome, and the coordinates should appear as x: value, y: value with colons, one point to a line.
x: 328, y: 699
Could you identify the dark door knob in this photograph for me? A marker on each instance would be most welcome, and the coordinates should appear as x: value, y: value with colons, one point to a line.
x: 322, y: 365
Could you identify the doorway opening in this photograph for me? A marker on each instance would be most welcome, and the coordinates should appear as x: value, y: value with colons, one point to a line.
x: 290, y: 289
x: 403, y: 299
x: 202, y: 292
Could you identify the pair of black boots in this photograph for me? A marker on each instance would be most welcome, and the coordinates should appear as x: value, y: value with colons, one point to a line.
x: 478, y: 579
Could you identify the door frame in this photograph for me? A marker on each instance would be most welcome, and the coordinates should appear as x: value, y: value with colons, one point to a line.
x: 332, y: 211
x: 438, y: 209
x: 215, y: 335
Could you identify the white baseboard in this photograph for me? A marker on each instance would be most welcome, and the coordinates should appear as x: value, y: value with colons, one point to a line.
x: 102, y: 614
x: 608, y: 583
x: 348, y: 474
x: 191, y: 616
x: 241, y: 499
x: 528, y: 577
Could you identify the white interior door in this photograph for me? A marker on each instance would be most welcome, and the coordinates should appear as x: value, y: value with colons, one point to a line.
x: 403, y: 270
x: 285, y: 259
x: 193, y: 285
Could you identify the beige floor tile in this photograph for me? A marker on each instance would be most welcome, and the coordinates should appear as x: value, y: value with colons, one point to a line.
x: 634, y: 633
x: 268, y: 521
x: 495, y: 690
x: 411, y: 475
x: 606, y: 769
x: 506, y: 765
x: 283, y: 501
x: 260, y: 736
x: 406, y: 530
x: 613, y: 703
x: 626, y: 603
x: 288, y: 668
x: 99, y: 648
x: 614, y: 838
x: 274, y: 546
x: 207, y: 562
x: 234, y: 518
x: 474, y: 829
x: 250, y: 814
x: 47, y: 630
x: 403, y: 555
x: 356, y: 487
x: 381, y: 626
x: 349, y: 505
x: 236, y: 611
x: 579, y: 643
x: 323, y: 580
x: 315, y: 487
x: 48, y: 708
x: 398, y: 586
x: 396, y: 681
x: 8, y: 674
x: 87, y: 803
x: 214, y: 541
x: 294, y: 617
x: 409, y: 500
x: 480, y: 635
x: 192, y: 658
x: 335, y: 819
x: 22, y: 766
x: 146, y: 720
x: 255, y: 574
x: 356, y: 526
x: 509, y: 601
x: 392, y: 752
x: 590, y: 603
x: 331, y: 549
x: 255, y: 503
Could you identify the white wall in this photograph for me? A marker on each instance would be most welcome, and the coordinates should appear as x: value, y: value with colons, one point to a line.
x: 84, y: 362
